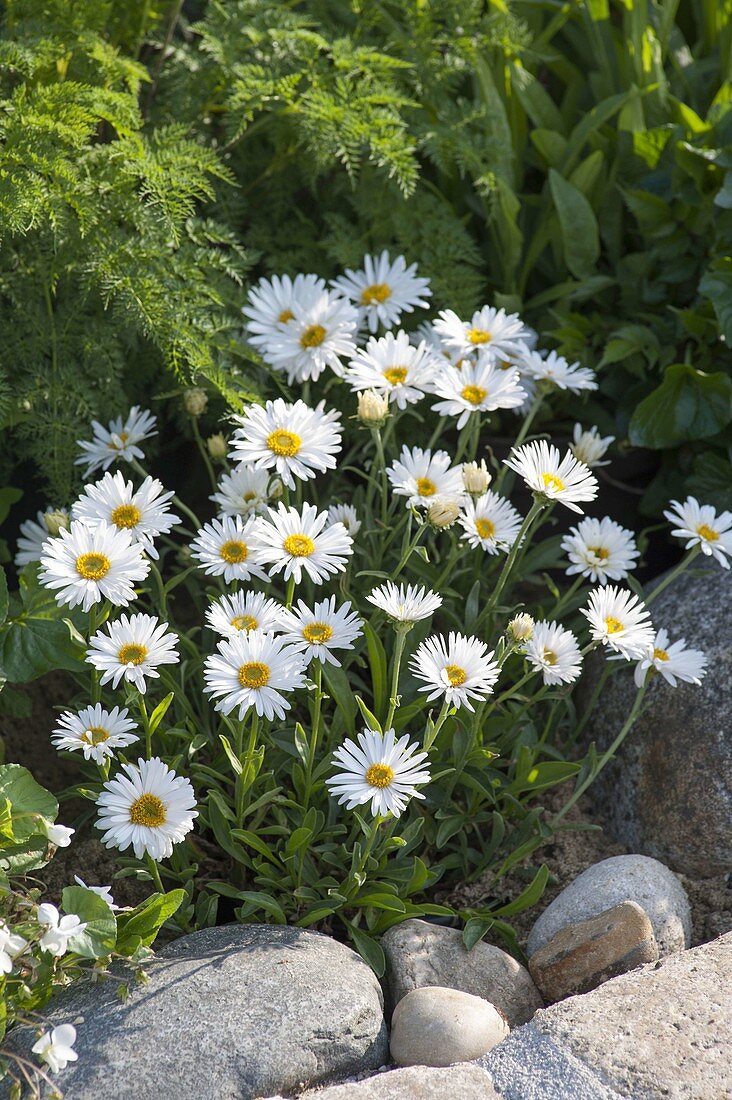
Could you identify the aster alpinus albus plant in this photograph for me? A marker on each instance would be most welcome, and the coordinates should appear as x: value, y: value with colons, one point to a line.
x: 348, y: 688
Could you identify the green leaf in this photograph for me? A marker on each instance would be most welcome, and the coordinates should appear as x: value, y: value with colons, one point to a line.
x: 475, y: 929
x: 527, y: 897
x: 100, y: 935
x: 4, y: 599
x: 32, y: 808
x: 717, y: 287
x: 144, y: 923
x: 687, y: 405
x: 369, y: 949
x: 580, y: 234
x: 29, y: 648
x: 377, y: 663
x: 370, y: 719
x: 160, y: 711
x: 8, y: 497
x: 340, y: 690
x: 231, y: 755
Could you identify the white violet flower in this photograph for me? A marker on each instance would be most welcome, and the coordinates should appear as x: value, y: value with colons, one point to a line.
x: 104, y: 892
x: 60, y: 835
x: 56, y: 1047
x: 59, y: 930
x: 11, y: 945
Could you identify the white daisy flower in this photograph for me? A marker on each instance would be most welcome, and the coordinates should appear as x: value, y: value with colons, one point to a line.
x: 347, y: 515
x: 700, y: 525
x: 147, y: 807
x: 675, y: 662
x: 56, y: 1047
x: 104, y: 892
x: 86, y: 565
x: 421, y: 475
x: 117, y: 441
x: 33, y: 534
x: 253, y: 670
x: 380, y: 770
x: 405, y: 604
x: 553, y: 477
x: 490, y: 332
x: 383, y: 290
x: 142, y: 512
x: 320, y: 630
x: 294, y: 440
x: 554, y: 370
x: 458, y: 668
x: 490, y: 522
x: 553, y: 651
x: 619, y: 620
x: 243, y: 611
x: 270, y: 304
x: 393, y: 367
x: 589, y: 446
x: 600, y: 549
x: 11, y: 945
x: 320, y: 334
x: 245, y: 492
x: 476, y: 388
x: 59, y: 930
x: 95, y: 732
x: 131, y: 649
x: 225, y: 548
x: 59, y: 835
x: 303, y: 541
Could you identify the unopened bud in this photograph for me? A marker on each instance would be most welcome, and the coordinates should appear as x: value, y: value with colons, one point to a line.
x: 217, y: 446
x: 476, y: 478
x: 195, y: 401
x: 443, y: 511
x: 56, y: 520
x: 521, y: 628
x: 373, y: 408
x: 276, y: 489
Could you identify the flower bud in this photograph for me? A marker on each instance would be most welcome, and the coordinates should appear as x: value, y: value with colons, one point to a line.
x: 217, y: 446
x: 195, y: 401
x: 56, y: 520
x: 443, y: 511
x: 276, y: 489
x: 373, y: 408
x: 521, y: 628
x: 476, y: 478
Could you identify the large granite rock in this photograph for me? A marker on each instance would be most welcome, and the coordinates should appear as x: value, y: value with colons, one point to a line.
x: 464, y: 1081
x: 233, y: 1013
x: 615, y: 880
x: 669, y: 791
x: 421, y: 954
x: 662, y: 1031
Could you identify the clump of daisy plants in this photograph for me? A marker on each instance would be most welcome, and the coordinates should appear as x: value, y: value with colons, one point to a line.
x: 342, y: 685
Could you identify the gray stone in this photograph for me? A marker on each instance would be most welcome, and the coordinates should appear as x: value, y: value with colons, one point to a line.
x: 612, y: 881
x: 433, y: 1026
x: 233, y: 1013
x: 421, y: 954
x: 669, y: 791
x: 464, y: 1081
x: 664, y: 1030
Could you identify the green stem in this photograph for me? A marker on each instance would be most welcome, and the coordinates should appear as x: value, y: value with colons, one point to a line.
x: 526, y: 526
x: 408, y: 552
x: 204, y: 453
x: 675, y: 572
x: 401, y: 638
x: 430, y: 735
x: 247, y: 767
x: 159, y: 590
x: 366, y: 852
x: 314, y: 734
x: 593, y: 700
x: 564, y: 599
x: 290, y: 593
x: 155, y: 873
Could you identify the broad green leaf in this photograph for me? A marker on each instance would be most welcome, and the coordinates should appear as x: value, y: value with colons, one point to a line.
x: 687, y: 405
x: 535, y: 100
x: 341, y: 692
x: 527, y: 897
x: 369, y: 949
x: 100, y: 935
x: 474, y: 930
x: 144, y: 923
x: 580, y: 234
x: 717, y: 287
x: 29, y: 648
x: 32, y: 806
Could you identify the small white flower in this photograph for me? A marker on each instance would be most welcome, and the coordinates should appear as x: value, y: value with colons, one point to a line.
x: 405, y: 604
x: 94, y: 731
x: 302, y: 542
x: 553, y: 477
x: 33, y: 534
x: 253, y: 670
x: 420, y: 475
x: 476, y: 388
x: 490, y: 332
x: 131, y: 649
x: 620, y: 621
x: 521, y: 628
x: 142, y: 512
x: 373, y: 408
x: 104, y: 892
x: 85, y: 565
x: 554, y: 370
x: 243, y: 612
x: 59, y: 930
x: 320, y: 630
x: 245, y: 492
x: 675, y: 662
x: 146, y: 806
x: 380, y: 770
x: 490, y: 522
x: 320, y: 334
x: 117, y: 441
x: 383, y: 290
x: 270, y: 304
x: 476, y: 477
x: 56, y: 1047
x: 554, y: 652
x: 60, y: 835
x: 225, y: 548
x: 458, y: 668
x: 393, y: 367
x: 294, y: 440
x: 600, y: 549
x: 700, y: 525
x: 11, y: 945
x: 347, y: 515
x: 589, y: 446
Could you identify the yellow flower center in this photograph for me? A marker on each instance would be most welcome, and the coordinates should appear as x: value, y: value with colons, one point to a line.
x: 660, y: 655
x: 95, y: 735
x: 614, y: 626
x: 127, y: 515
x: 92, y: 567
x: 313, y: 336
x: 425, y: 487
x: 247, y: 497
x: 456, y: 675
x: 478, y: 336
x: 550, y: 657
x: 600, y: 552
x: 300, y: 546
x: 379, y: 775
x: 148, y: 810
x: 707, y: 533
x: 285, y: 316
x: 504, y: 364
x: 132, y: 654
x: 317, y: 633
x: 551, y: 481
x: 233, y: 552
x: 375, y: 294
x: 122, y: 436
x: 244, y: 622
x: 485, y: 528
x: 255, y: 674
x: 473, y: 394
x: 284, y: 443
x: 395, y: 375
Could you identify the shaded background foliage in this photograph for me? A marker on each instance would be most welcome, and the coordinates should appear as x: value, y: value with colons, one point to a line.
x: 569, y: 160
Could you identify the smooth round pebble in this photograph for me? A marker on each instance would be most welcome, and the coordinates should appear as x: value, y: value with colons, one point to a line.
x: 435, y: 1026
